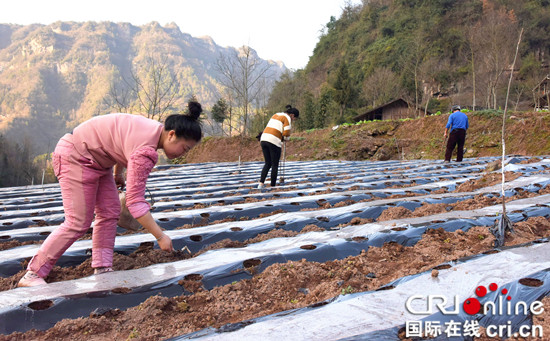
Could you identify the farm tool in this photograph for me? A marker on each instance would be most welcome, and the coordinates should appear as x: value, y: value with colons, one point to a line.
x: 282, y: 178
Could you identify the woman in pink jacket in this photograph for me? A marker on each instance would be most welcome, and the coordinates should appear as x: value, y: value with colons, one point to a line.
x: 84, y: 162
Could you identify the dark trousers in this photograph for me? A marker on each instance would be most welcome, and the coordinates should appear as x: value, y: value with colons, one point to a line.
x: 272, y: 155
x: 456, y: 138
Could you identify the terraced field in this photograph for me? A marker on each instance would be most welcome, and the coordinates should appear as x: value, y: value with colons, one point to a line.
x: 342, y: 250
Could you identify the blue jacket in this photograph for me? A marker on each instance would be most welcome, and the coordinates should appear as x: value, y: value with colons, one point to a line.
x: 458, y: 120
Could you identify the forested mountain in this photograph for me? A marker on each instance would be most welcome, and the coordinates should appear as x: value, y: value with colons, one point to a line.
x: 53, y: 77
x: 432, y: 53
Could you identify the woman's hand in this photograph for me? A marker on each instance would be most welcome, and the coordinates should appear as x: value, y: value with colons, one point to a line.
x: 165, y: 243
x: 150, y: 225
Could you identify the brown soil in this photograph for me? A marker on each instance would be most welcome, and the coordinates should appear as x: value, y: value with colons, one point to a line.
x: 283, y: 286
x: 15, y: 243
x: 486, y: 180
x: 145, y: 255
x: 526, y: 135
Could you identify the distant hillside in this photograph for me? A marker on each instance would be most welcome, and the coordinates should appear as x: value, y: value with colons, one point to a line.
x: 422, y: 138
x: 53, y: 77
x: 431, y: 53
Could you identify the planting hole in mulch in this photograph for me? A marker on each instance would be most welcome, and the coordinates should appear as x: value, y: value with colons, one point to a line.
x: 295, y: 203
x: 399, y: 229
x: 231, y: 327
x: 107, y: 312
x: 531, y: 282
x: 308, y: 247
x: 164, y: 219
x: 280, y: 223
x: 7, y: 224
x: 252, y: 262
x: 442, y: 267
x: 268, y: 205
x: 40, y: 305
x: 325, y: 219
x: 359, y: 239
x: 490, y: 252
x: 45, y: 233
x: 146, y: 245
x: 205, y: 215
x: 5, y: 237
x: 387, y: 287
x: 196, y: 237
x: 238, y: 209
x: 320, y: 304
x: 193, y: 277
x: 356, y: 212
x: 121, y: 290
x: 236, y: 229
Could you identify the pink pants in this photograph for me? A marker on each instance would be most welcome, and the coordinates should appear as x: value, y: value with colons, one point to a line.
x: 85, y: 188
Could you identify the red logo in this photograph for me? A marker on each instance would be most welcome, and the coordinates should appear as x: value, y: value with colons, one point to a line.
x: 472, y: 306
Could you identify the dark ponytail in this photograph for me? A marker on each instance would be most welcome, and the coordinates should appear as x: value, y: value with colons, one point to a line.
x: 291, y: 110
x: 186, y: 126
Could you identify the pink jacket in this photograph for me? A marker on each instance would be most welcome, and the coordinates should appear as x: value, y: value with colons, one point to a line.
x: 129, y: 140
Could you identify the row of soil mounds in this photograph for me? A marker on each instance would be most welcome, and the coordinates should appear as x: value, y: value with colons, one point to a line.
x: 285, y: 286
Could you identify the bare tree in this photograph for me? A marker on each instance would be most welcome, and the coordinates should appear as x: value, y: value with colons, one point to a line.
x: 241, y: 74
x: 119, y: 98
x: 381, y: 86
x: 151, y: 86
x: 413, y: 61
x: 474, y: 48
x: 3, y: 96
x: 504, y: 224
x: 493, y: 34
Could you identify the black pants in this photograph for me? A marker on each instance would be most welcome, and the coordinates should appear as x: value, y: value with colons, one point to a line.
x: 272, y: 155
x: 456, y: 138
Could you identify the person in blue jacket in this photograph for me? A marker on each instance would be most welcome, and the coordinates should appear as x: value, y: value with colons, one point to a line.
x: 457, y: 124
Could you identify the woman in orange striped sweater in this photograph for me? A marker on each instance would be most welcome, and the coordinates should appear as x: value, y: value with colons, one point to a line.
x: 277, y: 130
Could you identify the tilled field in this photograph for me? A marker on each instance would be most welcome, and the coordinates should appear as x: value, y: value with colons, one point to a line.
x: 343, y: 250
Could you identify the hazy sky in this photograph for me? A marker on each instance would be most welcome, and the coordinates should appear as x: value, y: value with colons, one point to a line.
x: 282, y: 30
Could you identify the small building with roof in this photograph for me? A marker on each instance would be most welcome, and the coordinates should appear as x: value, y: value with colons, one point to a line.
x: 541, y: 94
x: 394, y: 110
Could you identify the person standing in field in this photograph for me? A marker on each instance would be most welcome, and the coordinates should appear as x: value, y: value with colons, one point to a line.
x: 458, y: 125
x: 89, y: 164
x: 275, y: 133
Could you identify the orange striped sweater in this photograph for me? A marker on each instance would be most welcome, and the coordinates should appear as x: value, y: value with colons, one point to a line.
x: 277, y: 128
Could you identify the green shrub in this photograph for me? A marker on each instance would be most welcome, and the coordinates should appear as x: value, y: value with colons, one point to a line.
x: 489, y: 113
